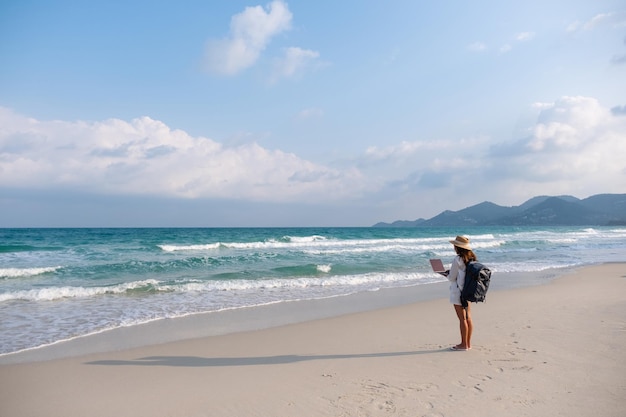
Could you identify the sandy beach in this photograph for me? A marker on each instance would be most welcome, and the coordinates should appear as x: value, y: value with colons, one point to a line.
x: 554, y: 349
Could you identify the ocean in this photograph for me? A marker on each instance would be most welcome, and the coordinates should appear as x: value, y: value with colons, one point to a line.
x: 61, y: 284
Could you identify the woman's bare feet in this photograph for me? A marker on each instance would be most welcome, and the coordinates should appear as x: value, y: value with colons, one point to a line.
x: 460, y: 347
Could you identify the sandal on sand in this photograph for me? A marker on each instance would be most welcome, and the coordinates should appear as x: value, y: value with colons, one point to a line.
x: 458, y: 348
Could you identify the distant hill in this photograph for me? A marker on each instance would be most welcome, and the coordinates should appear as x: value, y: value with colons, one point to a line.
x: 597, y: 210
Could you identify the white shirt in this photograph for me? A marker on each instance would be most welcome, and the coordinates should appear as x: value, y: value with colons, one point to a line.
x: 457, y: 279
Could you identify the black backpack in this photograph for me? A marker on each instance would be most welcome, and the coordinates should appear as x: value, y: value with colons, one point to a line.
x: 477, y: 277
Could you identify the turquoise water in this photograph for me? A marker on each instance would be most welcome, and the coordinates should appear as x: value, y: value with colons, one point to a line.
x: 58, y: 284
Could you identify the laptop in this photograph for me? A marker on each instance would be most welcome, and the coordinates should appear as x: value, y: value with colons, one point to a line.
x: 438, y: 266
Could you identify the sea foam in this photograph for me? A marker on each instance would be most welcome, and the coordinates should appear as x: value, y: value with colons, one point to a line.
x: 25, y: 272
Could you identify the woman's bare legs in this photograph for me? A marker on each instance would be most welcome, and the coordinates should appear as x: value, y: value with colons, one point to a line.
x: 470, y: 326
x: 465, y: 326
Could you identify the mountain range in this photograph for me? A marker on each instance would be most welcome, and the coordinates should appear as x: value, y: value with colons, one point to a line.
x: 597, y: 210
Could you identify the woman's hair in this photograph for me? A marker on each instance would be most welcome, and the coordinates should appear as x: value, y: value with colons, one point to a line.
x: 466, y: 254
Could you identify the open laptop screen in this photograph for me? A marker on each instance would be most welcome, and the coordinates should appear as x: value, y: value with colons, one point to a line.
x: 437, y: 265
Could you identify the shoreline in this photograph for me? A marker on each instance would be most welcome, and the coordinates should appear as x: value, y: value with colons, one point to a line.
x: 554, y: 349
x: 252, y: 318
x: 243, y: 319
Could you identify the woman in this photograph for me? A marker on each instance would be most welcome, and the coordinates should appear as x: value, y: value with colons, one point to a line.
x: 456, y: 276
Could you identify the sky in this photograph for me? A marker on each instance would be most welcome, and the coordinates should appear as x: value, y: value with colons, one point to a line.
x: 304, y: 113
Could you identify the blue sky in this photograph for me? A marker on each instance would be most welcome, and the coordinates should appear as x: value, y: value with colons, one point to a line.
x: 300, y: 113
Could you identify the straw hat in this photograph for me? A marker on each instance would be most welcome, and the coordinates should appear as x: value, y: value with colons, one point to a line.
x: 461, y: 242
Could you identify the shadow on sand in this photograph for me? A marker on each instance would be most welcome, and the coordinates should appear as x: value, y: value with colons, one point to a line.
x: 196, y: 361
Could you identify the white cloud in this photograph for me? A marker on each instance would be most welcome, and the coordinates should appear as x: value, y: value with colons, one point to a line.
x: 146, y: 157
x: 404, y: 149
x: 576, y: 144
x: 541, y: 105
x: 520, y: 37
x: 250, y: 32
x: 416, y: 166
x: 294, y: 62
x: 423, y: 149
x: 610, y: 19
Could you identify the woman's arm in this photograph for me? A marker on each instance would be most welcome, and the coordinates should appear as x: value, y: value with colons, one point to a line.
x: 454, y: 270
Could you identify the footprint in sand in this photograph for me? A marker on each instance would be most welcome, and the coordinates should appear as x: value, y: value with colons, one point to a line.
x: 481, y: 377
x: 374, y: 399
